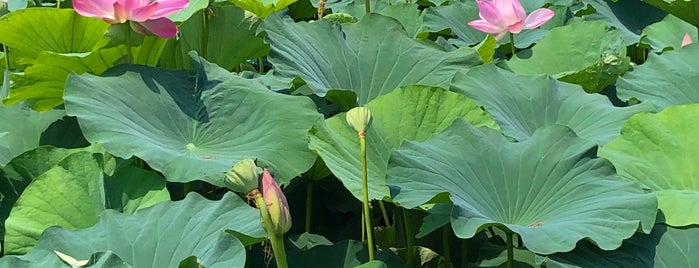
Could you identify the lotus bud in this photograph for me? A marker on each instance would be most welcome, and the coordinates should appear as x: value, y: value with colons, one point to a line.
x: 243, y: 177
x: 276, y: 203
x: 359, y: 118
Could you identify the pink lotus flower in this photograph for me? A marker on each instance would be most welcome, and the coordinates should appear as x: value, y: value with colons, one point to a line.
x: 146, y: 16
x: 499, y: 17
x: 276, y: 204
x: 686, y: 40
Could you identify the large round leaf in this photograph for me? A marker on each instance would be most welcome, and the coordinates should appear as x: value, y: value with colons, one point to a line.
x: 661, y: 152
x: 371, y: 57
x: 545, y: 188
x: 73, y: 193
x: 408, y: 113
x: 521, y: 104
x: 585, y: 53
x: 664, y: 80
x: 193, y: 126
x: 159, y: 236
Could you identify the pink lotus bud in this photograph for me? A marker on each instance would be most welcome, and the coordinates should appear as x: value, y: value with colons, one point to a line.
x: 276, y: 203
x: 686, y: 40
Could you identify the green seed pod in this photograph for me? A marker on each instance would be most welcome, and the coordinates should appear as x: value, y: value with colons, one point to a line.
x: 359, y: 118
x: 243, y: 177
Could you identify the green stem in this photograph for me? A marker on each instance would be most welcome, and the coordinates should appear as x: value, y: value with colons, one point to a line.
x: 204, y: 35
x: 512, y: 45
x: 7, y: 56
x: 367, y: 6
x: 276, y: 240
x: 384, y: 213
x: 58, y: 4
x: 408, y: 239
x: 127, y: 42
x: 309, y: 198
x: 446, y: 246
x: 510, y: 249
x: 464, y: 253
x: 363, y: 227
x: 365, y: 185
x: 261, y: 65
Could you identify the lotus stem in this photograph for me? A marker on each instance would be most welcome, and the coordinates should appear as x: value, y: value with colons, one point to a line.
x: 512, y: 45
x: 309, y: 203
x: 205, y: 36
x: 464, y: 253
x: 408, y: 239
x: 261, y: 65
x: 276, y: 240
x: 446, y: 246
x: 7, y: 56
x: 510, y: 249
x: 367, y: 6
x: 384, y: 213
x: 365, y: 185
x: 127, y: 42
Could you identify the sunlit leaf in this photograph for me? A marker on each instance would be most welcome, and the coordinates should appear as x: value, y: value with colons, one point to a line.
x: 659, y: 152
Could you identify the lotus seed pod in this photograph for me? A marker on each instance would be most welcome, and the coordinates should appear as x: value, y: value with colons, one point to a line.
x: 243, y: 177
x: 359, y: 118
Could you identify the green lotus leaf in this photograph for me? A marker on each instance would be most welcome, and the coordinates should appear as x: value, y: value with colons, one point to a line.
x: 623, y: 15
x: 685, y: 10
x: 21, y: 128
x: 73, y: 193
x: 23, y: 169
x: 193, y: 126
x: 664, y: 247
x: 407, y: 113
x: 409, y: 15
x: 43, y: 83
x: 188, y: 12
x: 262, y: 8
x: 585, y: 53
x: 454, y: 17
x: 521, y: 104
x: 370, y: 57
x: 667, y: 34
x: 159, y: 236
x: 225, y: 25
x: 660, y: 152
x: 546, y: 188
x: 31, y: 31
x: 664, y: 80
